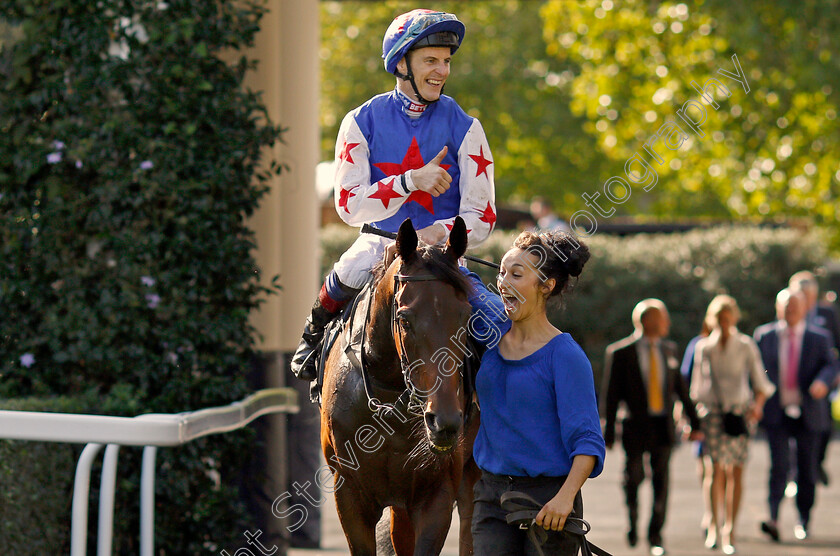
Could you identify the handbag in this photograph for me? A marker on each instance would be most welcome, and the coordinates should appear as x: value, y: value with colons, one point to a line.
x: 734, y: 424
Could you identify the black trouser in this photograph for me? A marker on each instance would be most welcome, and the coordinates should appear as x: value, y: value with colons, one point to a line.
x: 634, y: 473
x: 807, y: 454
x: 825, y: 438
x: 492, y: 536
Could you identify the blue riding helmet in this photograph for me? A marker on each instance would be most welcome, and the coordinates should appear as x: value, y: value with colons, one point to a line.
x: 418, y: 29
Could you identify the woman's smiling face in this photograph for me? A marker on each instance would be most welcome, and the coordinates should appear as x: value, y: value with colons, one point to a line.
x: 521, y: 285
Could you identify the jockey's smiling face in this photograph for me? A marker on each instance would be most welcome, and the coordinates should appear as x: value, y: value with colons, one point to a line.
x: 430, y: 65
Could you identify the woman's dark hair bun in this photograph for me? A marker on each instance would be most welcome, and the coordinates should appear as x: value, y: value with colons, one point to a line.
x: 578, y: 254
x: 575, y: 252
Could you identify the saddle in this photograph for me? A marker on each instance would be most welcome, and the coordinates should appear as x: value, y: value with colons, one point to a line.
x: 522, y: 511
x: 355, y: 312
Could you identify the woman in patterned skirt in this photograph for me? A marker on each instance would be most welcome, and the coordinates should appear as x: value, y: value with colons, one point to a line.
x: 728, y: 376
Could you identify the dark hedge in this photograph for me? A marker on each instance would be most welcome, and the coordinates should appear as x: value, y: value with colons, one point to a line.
x: 685, y: 270
x: 129, y: 163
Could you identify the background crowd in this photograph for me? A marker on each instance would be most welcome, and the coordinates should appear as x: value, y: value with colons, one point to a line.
x: 780, y: 378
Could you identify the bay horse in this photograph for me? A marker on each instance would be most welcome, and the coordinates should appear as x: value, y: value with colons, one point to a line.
x: 392, y: 425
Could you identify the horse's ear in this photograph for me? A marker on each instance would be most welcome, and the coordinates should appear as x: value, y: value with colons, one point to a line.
x: 456, y: 246
x: 406, y: 241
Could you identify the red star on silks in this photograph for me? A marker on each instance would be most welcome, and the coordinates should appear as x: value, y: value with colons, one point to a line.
x: 385, y: 192
x: 345, y: 196
x: 449, y: 227
x: 411, y: 161
x: 345, y: 152
x: 488, y: 215
x: 423, y: 199
x: 482, y: 162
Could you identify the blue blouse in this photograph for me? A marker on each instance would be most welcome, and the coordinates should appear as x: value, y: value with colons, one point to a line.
x: 539, y: 412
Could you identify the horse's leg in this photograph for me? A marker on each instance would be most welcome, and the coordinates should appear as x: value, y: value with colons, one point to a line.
x: 402, y: 532
x: 358, y: 519
x: 432, y: 520
x: 465, y: 507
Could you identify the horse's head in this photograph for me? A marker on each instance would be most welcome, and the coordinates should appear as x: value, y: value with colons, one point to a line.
x: 429, y: 314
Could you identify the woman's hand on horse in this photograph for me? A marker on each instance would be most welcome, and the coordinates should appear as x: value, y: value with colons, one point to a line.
x: 431, y: 178
x: 553, y: 515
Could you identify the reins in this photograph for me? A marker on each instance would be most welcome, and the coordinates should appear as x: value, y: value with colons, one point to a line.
x: 522, y: 511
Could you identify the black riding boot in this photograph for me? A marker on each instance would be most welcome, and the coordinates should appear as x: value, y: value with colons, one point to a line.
x: 303, y: 362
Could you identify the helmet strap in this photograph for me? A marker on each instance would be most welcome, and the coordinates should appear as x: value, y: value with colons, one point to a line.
x: 409, y: 76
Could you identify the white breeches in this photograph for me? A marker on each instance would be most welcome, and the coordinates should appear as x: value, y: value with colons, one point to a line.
x: 353, y: 268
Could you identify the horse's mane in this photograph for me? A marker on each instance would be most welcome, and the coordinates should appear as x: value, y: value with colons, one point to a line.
x: 436, y: 261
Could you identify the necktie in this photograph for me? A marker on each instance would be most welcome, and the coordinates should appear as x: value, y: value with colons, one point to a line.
x: 791, y: 381
x: 655, y: 402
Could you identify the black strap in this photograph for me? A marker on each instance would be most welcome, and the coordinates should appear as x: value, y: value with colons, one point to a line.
x: 522, y: 511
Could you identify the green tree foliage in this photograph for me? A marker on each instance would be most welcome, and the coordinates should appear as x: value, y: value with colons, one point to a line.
x: 501, y: 75
x: 569, y: 91
x: 129, y: 159
x: 768, y: 151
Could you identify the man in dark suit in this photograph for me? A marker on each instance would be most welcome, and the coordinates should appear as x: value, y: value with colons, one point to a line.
x: 801, y: 364
x: 825, y: 317
x: 642, y: 371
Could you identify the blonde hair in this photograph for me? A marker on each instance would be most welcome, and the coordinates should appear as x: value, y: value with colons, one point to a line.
x: 717, y: 305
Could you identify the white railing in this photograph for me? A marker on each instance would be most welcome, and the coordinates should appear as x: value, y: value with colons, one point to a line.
x: 150, y: 431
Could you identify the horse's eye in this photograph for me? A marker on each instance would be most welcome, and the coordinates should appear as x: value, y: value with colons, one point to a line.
x: 404, y: 324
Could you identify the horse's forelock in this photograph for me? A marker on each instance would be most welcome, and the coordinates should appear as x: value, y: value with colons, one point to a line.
x: 437, y: 262
x: 442, y: 266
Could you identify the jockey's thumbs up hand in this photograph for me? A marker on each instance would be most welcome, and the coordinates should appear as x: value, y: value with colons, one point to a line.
x: 431, y: 178
x: 440, y: 156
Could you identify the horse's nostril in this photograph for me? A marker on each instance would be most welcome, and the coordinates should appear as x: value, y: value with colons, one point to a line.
x: 443, y: 426
x: 431, y: 422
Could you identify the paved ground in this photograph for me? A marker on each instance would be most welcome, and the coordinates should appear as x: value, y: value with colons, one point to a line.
x: 604, y: 509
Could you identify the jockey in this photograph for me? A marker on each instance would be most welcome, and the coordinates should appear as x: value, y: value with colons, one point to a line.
x: 409, y: 153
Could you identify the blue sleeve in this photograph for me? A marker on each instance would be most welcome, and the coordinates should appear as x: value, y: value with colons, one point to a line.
x: 488, y: 322
x: 577, y: 408
x: 688, y: 359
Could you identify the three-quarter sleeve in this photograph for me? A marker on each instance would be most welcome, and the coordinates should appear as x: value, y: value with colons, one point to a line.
x: 758, y: 374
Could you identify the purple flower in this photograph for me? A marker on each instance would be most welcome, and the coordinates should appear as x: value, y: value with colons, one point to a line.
x: 27, y: 360
x: 79, y: 164
x: 146, y: 165
x: 152, y: 300
x: 58, y: 145
x: 147, y: 281
x: 54, y: 158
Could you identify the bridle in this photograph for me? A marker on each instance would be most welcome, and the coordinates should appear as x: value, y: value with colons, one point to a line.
x: 411, y: 397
